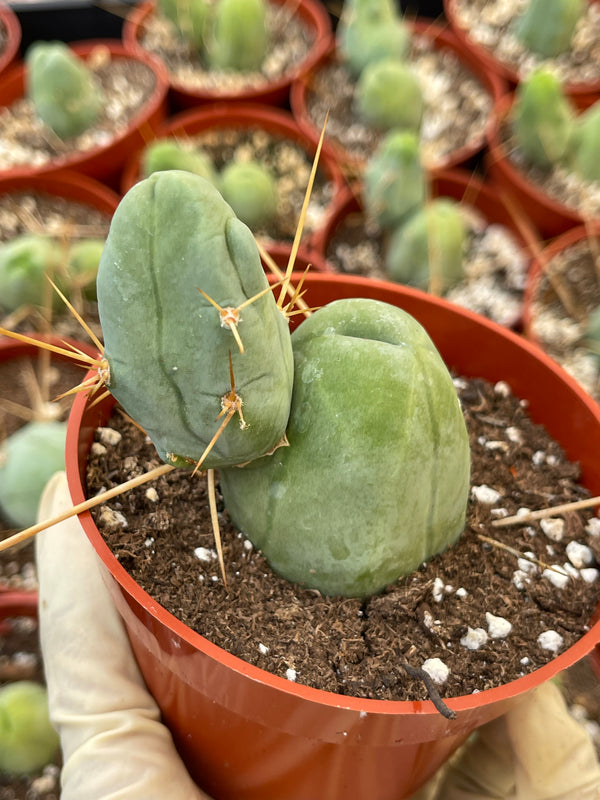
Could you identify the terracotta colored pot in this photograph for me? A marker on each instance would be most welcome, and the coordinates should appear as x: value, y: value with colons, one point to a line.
x: 457, y: 184
x: 550, y: 216
x: 312, y: 13
x: 442, y: 39
x: 243, y: 116
x: 101, y: 162
x: 12, y: 31
x: 250, y: 735
x: 585, y: 93
x: 17, y: 604
x: 68, y: 185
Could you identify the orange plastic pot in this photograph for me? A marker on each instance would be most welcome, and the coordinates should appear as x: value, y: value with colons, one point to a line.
x: 584, y: 93
x: 68, y: 185
x: 442, y: 38
x: 12, y: 35
x: 101, y: 162
x: 313, y: 14
x: 250, y: 735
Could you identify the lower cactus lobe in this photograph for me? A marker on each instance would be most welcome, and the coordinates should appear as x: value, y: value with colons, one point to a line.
x: 376, y: 476
x: 172, y: 235
x: 547, y: 26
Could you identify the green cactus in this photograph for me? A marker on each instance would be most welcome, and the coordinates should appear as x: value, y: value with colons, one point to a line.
x: 64, y: 91
x: 546, y: 27
x: 375, y: 418
x: 27, y: 739
x: 251, y: 191
x: 83, y: 260
x: 238, y: 39
x: 172, y: 235
x: 591, y: 337
x: 190, y: 18
x: 543, y: 119
x: 370, y: 30
x: 395, y: 182
x: 28, y: 458
x: 388, y: 95
x: 427, y: 250
x: 585, y: 149
x: 166, y: 154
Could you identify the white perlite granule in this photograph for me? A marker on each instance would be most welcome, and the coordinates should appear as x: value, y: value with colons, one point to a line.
x: 436, y: 669
x: 485, y: 494
x: 498, y: 627
x: 580, y: 555
x: 474, y: 638
x: 550, y: 640
x: 553, y: 527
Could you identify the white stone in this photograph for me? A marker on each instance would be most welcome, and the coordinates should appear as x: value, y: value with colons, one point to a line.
x: 263, y: 648
x: 112, y: 519
x: 204, y: 554
x: 550, y: 640
x: 437, y: 670
x: 502, y: 388
x: 520, y: 579
x: 498, y: 627
x: 474, y: 638
x: 580, y: 555
x: 152, y: 495
x: 553, y: 527
x: 527, y: 566
x: 109, y: 436
x: 461, y: 592
x: 593, y: 526
x: 485, y: 494
x: 557, y: 577
x: 291, y: 674
x: 589, y: 574
x: 438, y: 590
x: 514, y: 435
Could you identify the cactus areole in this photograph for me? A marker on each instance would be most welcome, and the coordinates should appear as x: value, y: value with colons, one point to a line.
x: 376, y: 476
x: 167, y: 349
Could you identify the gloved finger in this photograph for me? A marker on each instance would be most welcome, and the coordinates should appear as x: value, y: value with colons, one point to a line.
x: 536, y: 751
x: 114, y: 745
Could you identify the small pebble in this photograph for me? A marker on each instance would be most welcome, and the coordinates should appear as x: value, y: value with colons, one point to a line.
x: 589, y: 574
x: 498, y: 627
x: 437, y: 670
x: 109, y: 436
x: 263, y: 649
x: 553, y: 527
x: 204, y: 554
x: 485, y: 494
x: 557, y: 577
x: 580, y: 555
x: 291, y: 674
x: 474, y: 638
x: 551, y: 640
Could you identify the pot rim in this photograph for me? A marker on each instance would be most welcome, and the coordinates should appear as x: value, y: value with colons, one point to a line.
x: 13, y: 29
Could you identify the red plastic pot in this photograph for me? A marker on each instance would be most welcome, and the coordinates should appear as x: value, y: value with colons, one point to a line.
x: 584, y: 93
x: 247, y: 734
x: 12, y: 33
x: 442, y: 38
x: 16, y: 604
x: 102, y: 162
x: 68, y: 185
x: 312, y: 13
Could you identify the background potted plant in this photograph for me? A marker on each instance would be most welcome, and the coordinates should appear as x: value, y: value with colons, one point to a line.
x: 10, y: 36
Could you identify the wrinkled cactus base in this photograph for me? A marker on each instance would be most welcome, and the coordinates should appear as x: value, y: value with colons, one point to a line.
x: 376, y: 478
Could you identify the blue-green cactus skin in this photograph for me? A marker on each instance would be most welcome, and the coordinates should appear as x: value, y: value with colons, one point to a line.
x: 64, y: 91
x: 546, y: 27
x: 239, y: 36
x: 376, y: 478
x: 24, y: 263
x: 251, y: 191
x: 27, y: 739
x: 28, y: 459
x: 585, y: 148
x: 388, y: 95
x: 171, y: 235
x: 370, y: 30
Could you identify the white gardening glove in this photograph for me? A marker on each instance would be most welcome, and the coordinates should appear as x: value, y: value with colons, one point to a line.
x: 114, y: 745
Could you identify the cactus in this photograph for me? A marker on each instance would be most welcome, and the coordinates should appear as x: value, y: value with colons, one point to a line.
x: 427, y: 250
x: 546, y: 27
x: 543, y: 121
x: 190, y: 18
x: 167, y: 154
x: 394, y: 180
x: 251, y: 191
x: 388, y: 95
x: 83, y: 260
x: 370, y: 30
x: 238, y: 40
x: 585, y: 150
x: 27, y: 739
x: 171, y: 235
x: 28, y: 458
x: 375, y: 418
x: 24, y: 261
x: 64, y: 91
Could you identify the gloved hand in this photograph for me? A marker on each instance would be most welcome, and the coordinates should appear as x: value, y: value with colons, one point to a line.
x: 114, y: 745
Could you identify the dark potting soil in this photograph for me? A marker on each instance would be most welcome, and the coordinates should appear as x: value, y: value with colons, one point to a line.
x: 161, y: 534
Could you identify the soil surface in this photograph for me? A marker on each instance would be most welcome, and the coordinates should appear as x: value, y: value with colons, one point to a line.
x: 503, y: 617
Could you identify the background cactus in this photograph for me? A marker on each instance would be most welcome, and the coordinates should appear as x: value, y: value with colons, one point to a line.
x: 375, y: 418
x: 171, y: 235
x: 251, y: 191
x: 238, y: 38
x: 546, y: 26
x: 370, y: 30
x: 585, y: 149
x: 395, y: 182
x: 64, y: 91
x: 190, y: 18
x: 427, y: 250
x: 165, y: 154
x: 543, y: 119
x: 27, y: 739
x: 388, y: 95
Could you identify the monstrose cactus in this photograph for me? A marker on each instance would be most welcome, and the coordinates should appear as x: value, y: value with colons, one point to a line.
x: 190, y: 18
x: 585, y: 150
x: 251, y: 191
x: 165, y: 154
x: 546, y: 27
x: 239, y: 39
x: 369, y: 30
x: 27, y: 739
x: 388, y: 95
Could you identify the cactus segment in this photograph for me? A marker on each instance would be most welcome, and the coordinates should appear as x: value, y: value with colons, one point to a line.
x: 24, y: 261
x: 251, y: 191
x: 239, y: 35
x: 543, y: 121
x: 376, y: 477
x: 546, y: 27
x: 27, y: 739
x: 64, y: 91
x: 370, y: 30
x: 427, y: 251
x: 586, y: 144
x: 83, y: 260
x: 395, y: 182
x: 190, y: 18
x: 168, y: 353
x: 388, y: 95
x: 169, y: 154
x: 28, y: 459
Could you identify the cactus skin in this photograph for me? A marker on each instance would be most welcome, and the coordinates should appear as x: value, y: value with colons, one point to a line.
x: 190, y: 18
x: 171, y: 234
x: 395, y: 183
x: 27, y: 739
x: 239, y: 35
x: 251, y: 191
x: 65, y: 93
x: 546, y: 27
x: 370, y: 30
x: 388, y: 95
x: 543, y: 122
x: 427, y: 251
x: 585, y: 150
x: 169, y: 154
x: 28, y: 459
x: 83, y: 260
x: 24, y: 261
x: 376, y: 477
